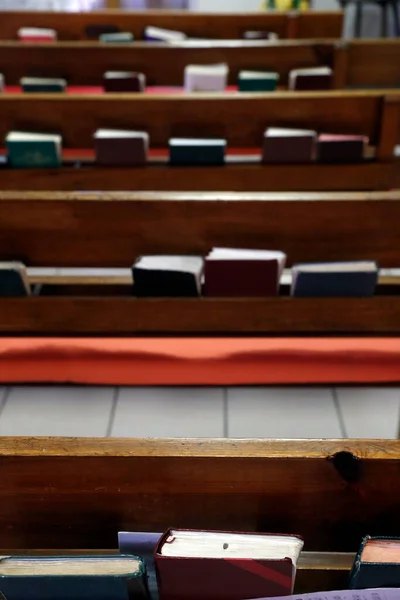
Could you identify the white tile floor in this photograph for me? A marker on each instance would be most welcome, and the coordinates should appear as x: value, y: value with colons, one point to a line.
x: 264, y: 412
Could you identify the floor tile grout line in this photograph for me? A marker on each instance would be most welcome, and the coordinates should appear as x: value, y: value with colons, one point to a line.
x: 339, y: 413
x: 225, y: 407
x: 113, y: 411
x: 3, y: 399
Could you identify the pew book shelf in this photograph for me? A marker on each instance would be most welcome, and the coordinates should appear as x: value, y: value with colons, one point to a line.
x: 355, y: 63
x: 77, y: 493
x: 109, y: 230
x: 241, y: 119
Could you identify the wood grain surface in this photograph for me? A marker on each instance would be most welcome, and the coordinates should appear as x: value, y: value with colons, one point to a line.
x: 162, y: 64
x: 113, y: 315
x: 240, y: 177
x: 70, y: 26
x: 77, y: 493
x: 240, y: 118
x: 110, y: 230
x: 357, y: 63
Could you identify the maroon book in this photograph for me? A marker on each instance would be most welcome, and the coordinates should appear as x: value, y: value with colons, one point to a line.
x: 222, y: 578
x: 283, y: 146
x: 115, y: 147
x: 243, y: 273
x: 124, y: 81
x: 314, y: 78
x: 341, y: 148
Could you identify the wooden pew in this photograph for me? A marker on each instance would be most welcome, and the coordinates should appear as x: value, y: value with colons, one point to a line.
x: 356, y: 63
x: 163, y: 65
x: 325, y: 490
x: 240, y: 118
x: 110, y: 230
x: 71, y: 26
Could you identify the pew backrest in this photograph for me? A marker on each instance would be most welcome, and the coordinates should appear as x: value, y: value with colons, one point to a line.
x: 71, y: 26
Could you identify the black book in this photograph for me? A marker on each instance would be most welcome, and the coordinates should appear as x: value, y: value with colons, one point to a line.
x: 161, y: 275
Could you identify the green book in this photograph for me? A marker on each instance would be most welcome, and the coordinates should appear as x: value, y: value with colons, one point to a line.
x: 191, y: 151
x: 34, y: 150
x: 13, y: 280
x: 123, y: 37
x: 42, y: 84
x: 257, y: 81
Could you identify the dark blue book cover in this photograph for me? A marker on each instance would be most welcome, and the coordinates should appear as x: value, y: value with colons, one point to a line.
x: 334, y: 280
x: 142, y: 544
x: 375, y: 566
x: 116, y: 577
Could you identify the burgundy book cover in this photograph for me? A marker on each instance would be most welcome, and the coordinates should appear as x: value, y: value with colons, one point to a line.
x: 120, y: 152
x: 221, y: 578
x: 241, y: 278
x: 341, y: 148
x: 313, y: 82
x: 288, y: 149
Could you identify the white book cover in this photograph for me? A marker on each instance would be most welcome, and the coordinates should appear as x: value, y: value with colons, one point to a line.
x: 206, y: 78
x: 165, y: 35
x: 278, y: 132
x: 197, y: 142
x: 37, y: 32
x: 245, y: 75
x: 42, y: 81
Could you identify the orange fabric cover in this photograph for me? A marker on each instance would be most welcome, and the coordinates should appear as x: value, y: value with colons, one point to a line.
x: 200, y: 361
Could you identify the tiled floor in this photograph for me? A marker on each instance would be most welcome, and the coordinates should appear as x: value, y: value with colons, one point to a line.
x: 200, y: 412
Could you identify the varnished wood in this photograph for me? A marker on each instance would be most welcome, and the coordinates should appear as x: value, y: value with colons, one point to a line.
x: 241, y: 177
x: 84, y: 315
x: 70, y: 26
x: 104, y: 281
x: 57, y: 491
x: 241, y: 118
x: 356, y: 63
x: 110, y: 230
x: 366, y: 57
x: 163, y: 65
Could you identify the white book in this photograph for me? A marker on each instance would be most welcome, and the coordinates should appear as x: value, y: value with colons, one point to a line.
x: 307, y: 72
x: 122, y: 74
x: 258, y: 75
x: 197, y: 142
x: 357, y: 266
x: 42, y: 81
x: 206, y: 78
x: 287, y: 132
x: 37, y: 32
x: 164, y: 35
x: 173, y: 262
x: 2, y: 82
x: 247, y: 254
x: 215, y: 544
x: 114, y: 134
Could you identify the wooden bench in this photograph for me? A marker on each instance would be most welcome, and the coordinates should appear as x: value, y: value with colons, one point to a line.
x: 240, y: 118
x: 359, y: 63
x: 109, y: 230
x: 71, y: 26
x: 331, y: 492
